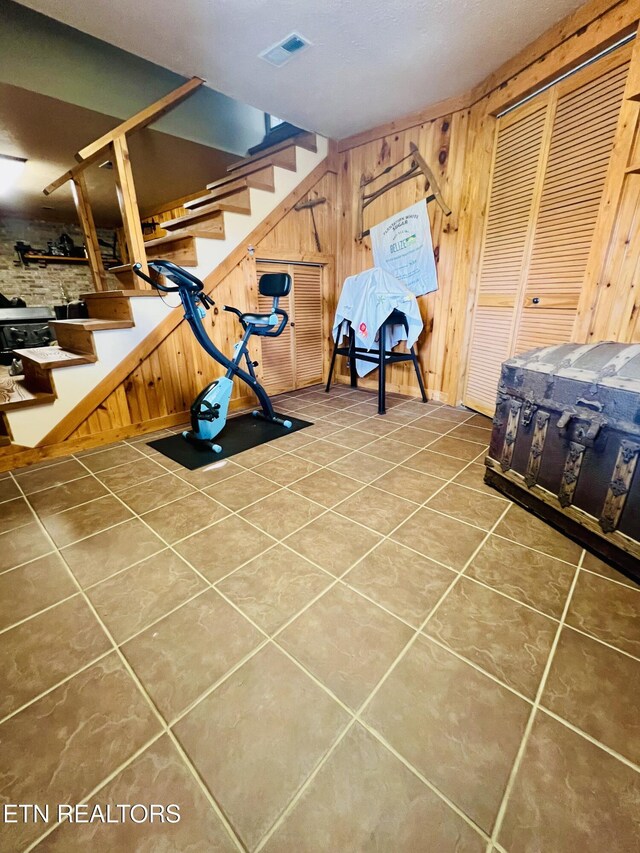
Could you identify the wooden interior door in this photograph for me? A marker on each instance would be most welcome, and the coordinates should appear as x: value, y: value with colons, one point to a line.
x: 550, y: 163
x: 295, y: 358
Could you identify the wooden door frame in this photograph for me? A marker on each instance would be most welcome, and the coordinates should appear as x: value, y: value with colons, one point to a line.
x: 327, y: 275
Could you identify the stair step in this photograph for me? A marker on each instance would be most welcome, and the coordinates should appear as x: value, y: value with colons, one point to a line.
x: 23, y: 397
x: 285, y: 159
x: 48, y: 358
x: 302, y: 140
x: 212, y: 215
x: 94, y: 324
x: 262, y: 179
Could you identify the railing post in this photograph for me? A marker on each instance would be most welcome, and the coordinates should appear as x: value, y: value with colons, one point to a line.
x: 128, y: 202
x: 83, y: 208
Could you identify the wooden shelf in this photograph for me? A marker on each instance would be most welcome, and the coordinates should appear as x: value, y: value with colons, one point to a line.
x: 56, y: 259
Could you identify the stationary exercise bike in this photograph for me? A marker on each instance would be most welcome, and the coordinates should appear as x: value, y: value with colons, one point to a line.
x: 209, y: 409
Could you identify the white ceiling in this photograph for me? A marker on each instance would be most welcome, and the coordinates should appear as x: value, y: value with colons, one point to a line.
x: 371, y: 60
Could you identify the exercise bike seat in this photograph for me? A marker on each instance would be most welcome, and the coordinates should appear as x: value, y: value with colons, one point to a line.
x: 257, y: 319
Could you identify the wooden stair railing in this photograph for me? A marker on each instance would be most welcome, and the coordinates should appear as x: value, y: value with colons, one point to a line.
x: 113, y: 145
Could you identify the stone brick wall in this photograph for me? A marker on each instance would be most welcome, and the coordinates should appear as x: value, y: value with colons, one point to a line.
x: 53, y: 284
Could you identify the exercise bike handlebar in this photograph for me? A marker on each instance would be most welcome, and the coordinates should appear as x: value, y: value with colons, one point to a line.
x: 181, y: 277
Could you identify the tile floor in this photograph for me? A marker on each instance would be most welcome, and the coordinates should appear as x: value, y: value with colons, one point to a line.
x: 339, y: 641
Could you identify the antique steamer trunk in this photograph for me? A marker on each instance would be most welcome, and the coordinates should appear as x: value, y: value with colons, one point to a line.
x: 566, y: 443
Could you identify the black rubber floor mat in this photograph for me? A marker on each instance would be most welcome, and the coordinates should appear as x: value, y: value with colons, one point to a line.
x: 241, y: 433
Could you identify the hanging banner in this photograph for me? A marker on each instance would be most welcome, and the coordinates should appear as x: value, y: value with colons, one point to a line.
x: 402, y: 246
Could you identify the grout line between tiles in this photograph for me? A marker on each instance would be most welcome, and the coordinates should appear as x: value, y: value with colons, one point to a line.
x: 497, y: 827
x: 146, y: 697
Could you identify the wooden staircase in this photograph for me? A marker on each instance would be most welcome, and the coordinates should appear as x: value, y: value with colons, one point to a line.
x: 108, y: 310
x: 203, y: 217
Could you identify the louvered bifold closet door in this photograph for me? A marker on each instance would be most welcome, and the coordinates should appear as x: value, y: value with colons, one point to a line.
x: 276, y: 370
x: 307, y: 307
x: 516, y: 169
x: 582, y: 137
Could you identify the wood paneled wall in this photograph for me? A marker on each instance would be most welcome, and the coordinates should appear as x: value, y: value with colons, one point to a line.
x: 459, y: 148
x: 163, y: 386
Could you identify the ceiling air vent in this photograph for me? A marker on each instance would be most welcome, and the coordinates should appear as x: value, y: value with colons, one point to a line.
x: 279, y: 54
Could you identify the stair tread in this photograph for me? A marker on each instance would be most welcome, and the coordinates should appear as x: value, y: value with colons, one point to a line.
x: 117, y: 294
x: 271, y: 159
x: 302, y: 140
x: 23, y: 397
x: 50, y: 357
x: 215, y: 211
x: 191, y: 233
x: 261, y: 179
x: 92, y: 324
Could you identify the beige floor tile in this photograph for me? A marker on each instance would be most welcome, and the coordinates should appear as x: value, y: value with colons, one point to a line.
x: 353, y: 438
x: 34, y: 478
x: 570, y: 795
x: 185, y: 516
x: 452, y: 414
x: 523, y: 527
x: 402, y: 415
x: 203, y: 478
x: 533, y: 578
x: 99, y: 556
x: 377, y: 425
x: 480, y: 421
x: 473, y: 477
x: 110, y: 458
x: 326, y: 487
x: 390, y: 449
x: 595, y: 564
x: 332, y: 542
x: 457, y: 447
x: 389, y: 808
x: 295, y: 440
x: 471, y: 433
x: 132, y: 474
x: 242, y: 489
x: 281, y: 513
x: 66, y: 496
x: 257, y: 737
x: 322, y: 452
x: 432, y: 423
x: 467, y: 505
x: 286, y: 469
x: 506, y: 639
x: 596, y: 689
x: 84, y: 520
x: 14, y: 513
x: 400, y: 580
x: 82, y: 731
x: 274, y: 587
x: 8, y: 489
x: 22, y: 545
x: 346, y: 642
x: 408, y: 483
x: 361, y: 466
x: 258, y: 455
x: 147, y: 496
x: 39, y: 653
x: 223, y: 547
x: 33, y: 587
x: 608, y: 611
x: 324, y: 428
x: 440, y: 538
x: 374, y: 508
x: 456, y: 726
x: 158, y: 776
x: 345, y: 418
x: 160, y: 458
x: 181, y: 656
x: 133, y: 599
x: 98, y: 448
x: 436, y: 464
x: 417, y: 438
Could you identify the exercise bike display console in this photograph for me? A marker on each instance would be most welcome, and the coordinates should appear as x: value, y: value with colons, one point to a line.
x: 210, y: 408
